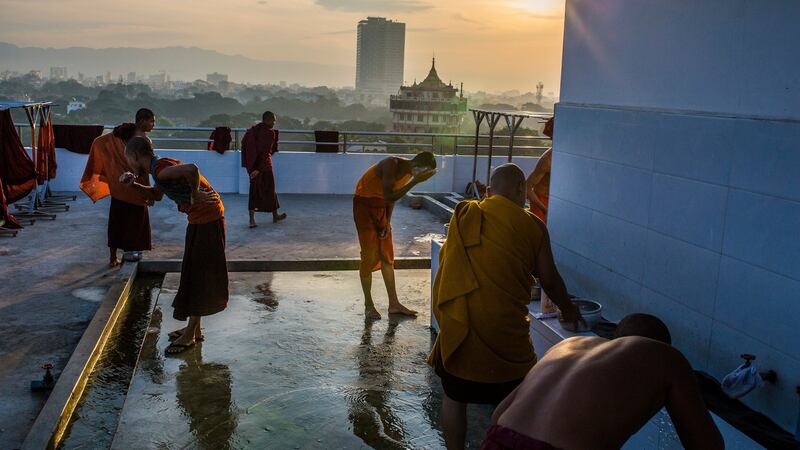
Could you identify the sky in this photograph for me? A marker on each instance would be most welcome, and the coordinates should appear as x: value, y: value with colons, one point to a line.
x: 490, y: 45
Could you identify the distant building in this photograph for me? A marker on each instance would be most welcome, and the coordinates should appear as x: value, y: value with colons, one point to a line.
x: 158, y: 80
x: 428, y: 107
x: 108, y: 79
x: 58, y: 73
x: 131, y: 79
x: 75, y: 105
x: 380, y: 58
x: 36, y: 74
x: 217, y: 79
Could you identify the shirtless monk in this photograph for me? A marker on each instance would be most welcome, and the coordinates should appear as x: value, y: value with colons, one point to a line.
x: 539, y: 180
x: 203, y: 288
x: 373, y: 202
x: 592, y: 393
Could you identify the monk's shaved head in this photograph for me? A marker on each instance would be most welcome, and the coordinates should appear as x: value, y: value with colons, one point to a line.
x: 508, y: 180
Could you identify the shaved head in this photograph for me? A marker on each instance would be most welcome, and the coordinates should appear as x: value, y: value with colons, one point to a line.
x: 508, y: 180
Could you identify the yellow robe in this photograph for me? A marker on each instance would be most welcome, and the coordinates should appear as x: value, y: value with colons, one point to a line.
x: 482, y: 290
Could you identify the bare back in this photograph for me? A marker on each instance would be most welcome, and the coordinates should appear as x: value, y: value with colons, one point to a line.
x: 590, y: 392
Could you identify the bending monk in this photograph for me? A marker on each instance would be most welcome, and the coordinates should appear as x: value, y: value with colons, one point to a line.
x: 589, y: 392
x: 203, y: 288
x: 539, y: 180
x: 128, y: 216
x: 480, y: 299
x: 373, y: 203
x: 260, y: 142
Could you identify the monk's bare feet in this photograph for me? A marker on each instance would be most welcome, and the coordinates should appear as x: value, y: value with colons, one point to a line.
x: 370, y: 313
x: 114, y: 263
x: 400, y: 309
x: 253, y: 224
x: 278, y: 218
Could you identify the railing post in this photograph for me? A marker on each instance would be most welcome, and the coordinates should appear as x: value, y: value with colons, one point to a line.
x: 344, y: 142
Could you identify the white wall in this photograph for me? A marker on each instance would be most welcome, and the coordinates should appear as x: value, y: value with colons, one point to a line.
x: 299, y: 172
x: 687, y: 215
x: 723, y: 56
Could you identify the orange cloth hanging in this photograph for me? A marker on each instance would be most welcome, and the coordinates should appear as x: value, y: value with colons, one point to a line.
x: 46, y: 150
x: 103, y: 168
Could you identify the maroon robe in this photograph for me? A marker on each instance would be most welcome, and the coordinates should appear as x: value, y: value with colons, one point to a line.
x: 16, y: 168
x: 259, y: 144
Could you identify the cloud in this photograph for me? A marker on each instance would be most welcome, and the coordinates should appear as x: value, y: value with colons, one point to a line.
x: 461, y: 17
x: 375, y: 6
x: 353, y: 31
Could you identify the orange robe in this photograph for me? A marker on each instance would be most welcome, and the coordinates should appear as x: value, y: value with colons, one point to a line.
x: 370, y: 212
x: 103, y: 168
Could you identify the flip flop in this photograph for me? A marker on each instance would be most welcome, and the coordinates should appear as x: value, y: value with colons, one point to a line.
x: 179, y: 348
x: 252, y: 225
x: 177, y: 333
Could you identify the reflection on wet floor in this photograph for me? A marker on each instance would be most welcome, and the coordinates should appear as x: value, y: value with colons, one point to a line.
x: 291, y: 364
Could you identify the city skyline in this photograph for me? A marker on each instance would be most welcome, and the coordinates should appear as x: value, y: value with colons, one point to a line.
x: 518, y: 43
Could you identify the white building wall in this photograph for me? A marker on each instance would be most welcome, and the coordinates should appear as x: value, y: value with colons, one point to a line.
x: 674, y: 185
x: 299, y: 172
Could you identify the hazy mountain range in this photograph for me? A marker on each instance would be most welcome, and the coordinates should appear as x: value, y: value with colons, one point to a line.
x: 180, y: 63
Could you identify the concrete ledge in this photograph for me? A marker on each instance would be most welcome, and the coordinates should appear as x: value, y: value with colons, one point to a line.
x: 433, y: 206
x: 52, y: 421
x: 307, y: 265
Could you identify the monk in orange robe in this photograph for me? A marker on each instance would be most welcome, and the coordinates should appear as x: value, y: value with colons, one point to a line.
x: 480, y: 298
x: 203, y: 288
x: 373, y: 202
x: 260, y: 142
x: 128, y: 217
x: 539, y: 180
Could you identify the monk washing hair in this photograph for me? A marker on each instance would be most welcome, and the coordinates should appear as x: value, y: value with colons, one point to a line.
x: 203, y: 289
x: 481, y: 293
x: 594, y: 393
x: 373, y: 203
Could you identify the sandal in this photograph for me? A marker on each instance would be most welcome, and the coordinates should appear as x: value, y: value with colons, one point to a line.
x: 178, y: 333
x: 178, y: 348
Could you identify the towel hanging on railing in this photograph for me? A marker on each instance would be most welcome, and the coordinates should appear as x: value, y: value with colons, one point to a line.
x: 76, y: 138
x: 220, y: 140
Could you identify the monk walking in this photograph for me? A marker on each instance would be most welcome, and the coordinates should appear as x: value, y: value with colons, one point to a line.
x: 128, y: 216
x: 377, y: 191
x: 203, y: 289
x: 480, y: 299
x: 538, y: 181
x: 260, y: 142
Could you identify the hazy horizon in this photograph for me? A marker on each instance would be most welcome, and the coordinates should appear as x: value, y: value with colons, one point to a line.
x: 493, y: 46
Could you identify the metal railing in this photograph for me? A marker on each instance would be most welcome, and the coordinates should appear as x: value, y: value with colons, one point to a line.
x: 196, y: 138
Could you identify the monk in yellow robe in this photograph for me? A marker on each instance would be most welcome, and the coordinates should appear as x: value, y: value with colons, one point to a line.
x: 373, y: 202
x: 480, y: 299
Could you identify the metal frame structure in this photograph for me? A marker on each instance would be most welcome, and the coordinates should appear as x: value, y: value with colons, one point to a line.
x: 513, y: 121
x: 38, y: 206
x: 427, y: 141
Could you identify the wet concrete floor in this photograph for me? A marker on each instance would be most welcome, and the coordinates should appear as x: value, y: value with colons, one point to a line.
x: 292, y: 364
x: 54, y: 275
